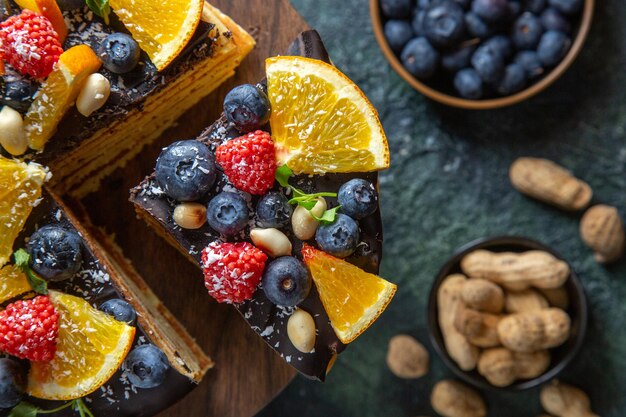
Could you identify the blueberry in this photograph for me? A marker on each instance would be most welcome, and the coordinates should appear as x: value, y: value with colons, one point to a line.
x: 12, y: 383
x: 552, y: 19
x: 464, y: 3
x: 146, y: 366
x: 273, y: 210
x: 476, y: 26
x: 286, y: 281
x: 529, y: 60
x: 398, y: 33
x: 502, y: 44
x: 515, y: 8
x: 358, y: 198
x: 396, y: 9
x: 418, y: 23
x: 420, y: 58
x: 55, y: 253
x: 423, y: 4
x: 120, y: 310
x: 444, y: 23
x: 553, y: 46
x: 468, y: 84
x: 186, y: 170
x: 514, y: 80
x: 491, y: 10
x: 228, y: 213
x: 119, y: 53
x: 18, y: 92
x: 247, y: 107
x: 339, y: 238
x: 527, y: 31
x: 567, y: 6
x: 67, y: 5
x: 457, y: 59
x: 535, y: 6
x: 488, y: 62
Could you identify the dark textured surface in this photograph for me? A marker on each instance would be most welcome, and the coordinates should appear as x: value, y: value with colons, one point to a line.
x: 448, y: 185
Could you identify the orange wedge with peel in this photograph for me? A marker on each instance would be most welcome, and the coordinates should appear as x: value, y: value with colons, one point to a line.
x: 352, y: 298
x: 51, y: 11
x: 58, y: 93
x: 321, y: 121
x: 91, y: 347
x: 161, y: 28
x: 20, y: 191
x: 13, y: 283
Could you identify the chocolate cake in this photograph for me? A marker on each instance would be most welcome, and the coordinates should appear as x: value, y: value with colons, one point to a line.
x: 101, y: 278
x: 268, y: 319
x: 143, y: 103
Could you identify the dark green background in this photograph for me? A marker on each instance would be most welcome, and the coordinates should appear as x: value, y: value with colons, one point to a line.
x: 448, y: 185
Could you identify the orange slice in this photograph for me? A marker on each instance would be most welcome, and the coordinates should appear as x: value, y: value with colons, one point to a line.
x: 161, y: 28
x: 20, y: 190
x: 58, y: 93
x: 49, y: 9
x: 13, y: 283
x: 352, y: 298
x: 91, y: 347
x: 321, y: 121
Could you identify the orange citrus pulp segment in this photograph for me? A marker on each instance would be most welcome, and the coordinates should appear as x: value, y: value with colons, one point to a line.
x: 50, y: 10
x: 352, y: 298
x: 161, y: 28
x: 321, y: 121
x: 13, y: 283
x: 58, y: 93
x: 20, y: 190
x: 91, y: 347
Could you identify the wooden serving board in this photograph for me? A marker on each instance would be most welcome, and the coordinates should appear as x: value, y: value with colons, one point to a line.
x: 247, y: 374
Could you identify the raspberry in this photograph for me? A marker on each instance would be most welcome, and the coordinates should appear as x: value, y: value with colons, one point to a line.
x: 232, y: 271
x: 249, y: 162
x: 30, y: 44
x: 29, y: 329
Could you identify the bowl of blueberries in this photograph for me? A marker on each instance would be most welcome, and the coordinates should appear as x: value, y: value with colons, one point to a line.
x: 481, y: 54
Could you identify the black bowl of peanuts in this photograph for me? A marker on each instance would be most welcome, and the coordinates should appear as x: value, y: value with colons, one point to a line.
x: 507, y: 313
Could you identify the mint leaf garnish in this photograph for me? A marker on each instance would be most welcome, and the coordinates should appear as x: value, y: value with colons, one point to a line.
x: 283, y: 174
x: 25, y: 409
x: 303, y: 199
x: 100, y: 8
x: 22, y: 259
x: 328, y: 216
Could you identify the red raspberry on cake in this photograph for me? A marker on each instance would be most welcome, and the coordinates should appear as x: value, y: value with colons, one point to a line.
x: 30, y: 44
x: 29, y: 329
x: 249, y: 162
x: 232, y: 271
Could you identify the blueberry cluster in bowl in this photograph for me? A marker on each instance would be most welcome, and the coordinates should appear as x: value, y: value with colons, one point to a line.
x: 480, y: 49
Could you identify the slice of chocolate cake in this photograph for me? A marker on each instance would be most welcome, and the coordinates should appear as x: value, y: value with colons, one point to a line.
x: 72, y: 266
x: 123, y: 104
x: 213, y: 215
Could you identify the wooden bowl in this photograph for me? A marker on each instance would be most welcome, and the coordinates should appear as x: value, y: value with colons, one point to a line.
x: 561, y: 356
x: 492, y: 103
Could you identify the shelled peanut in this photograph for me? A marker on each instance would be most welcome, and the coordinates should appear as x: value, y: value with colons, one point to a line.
x: 510, y: 305
x: 449, y: 302
x: 546, y: 181
x: 601, y: 229
x: 406, y: 357
x: 516, y: 271
x: 564, y: 400
x: 454, y: 399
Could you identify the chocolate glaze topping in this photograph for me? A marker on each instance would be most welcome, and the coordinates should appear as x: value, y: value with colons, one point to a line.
x: 267, y: 319
x: 118, y: 397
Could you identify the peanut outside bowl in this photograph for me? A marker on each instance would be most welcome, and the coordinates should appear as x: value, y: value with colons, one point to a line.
x: 562, y: 356
x: 581, y: 35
